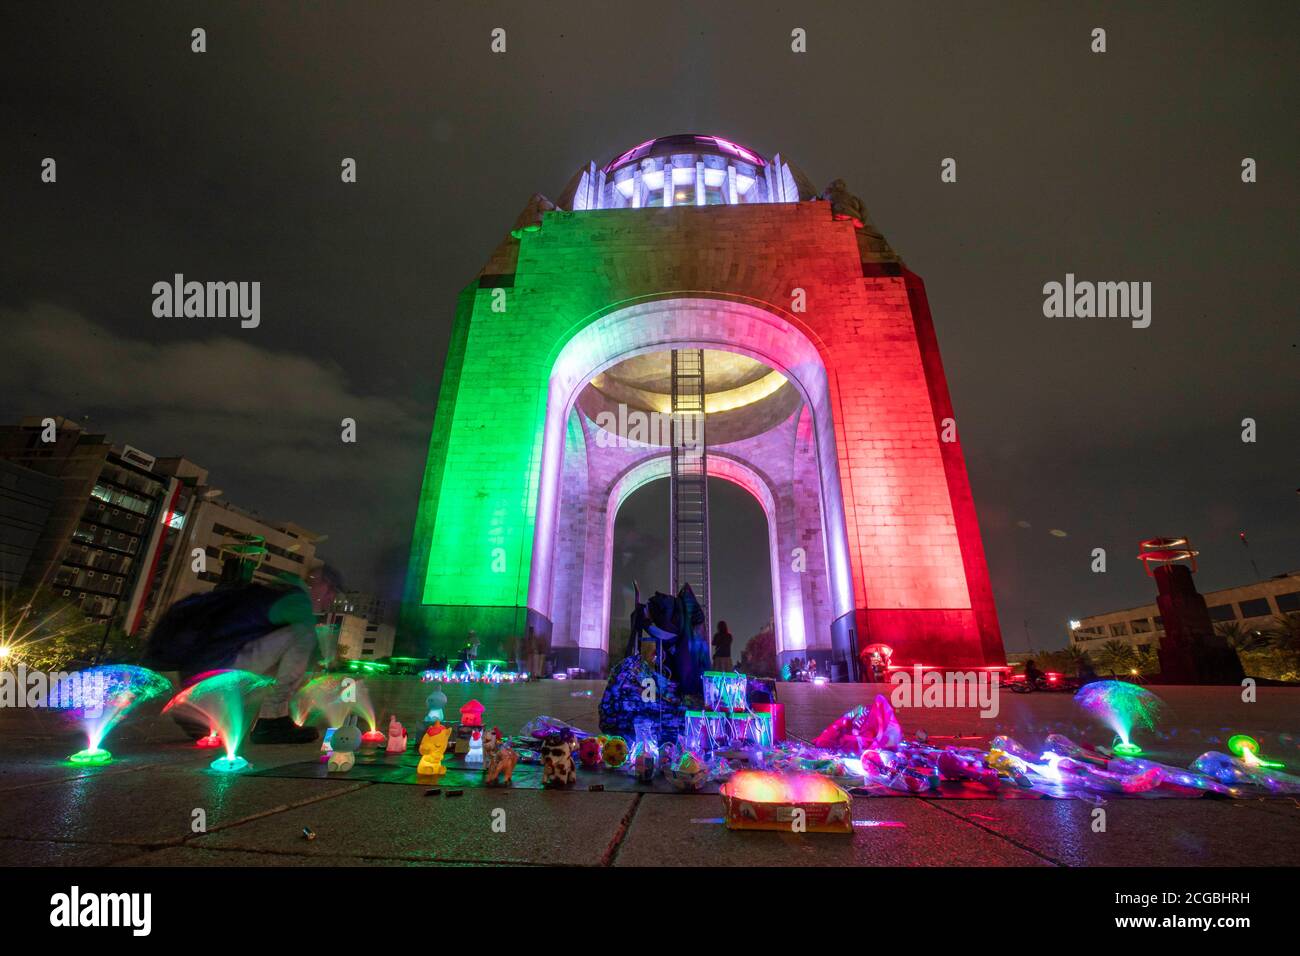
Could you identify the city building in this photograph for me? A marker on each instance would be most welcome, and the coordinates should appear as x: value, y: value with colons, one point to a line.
x: 1253, y: 606
x: 112, y: 528
x: 693, y: 310
x: 118, y: 528
x: 369, y: 605
x: 221, y: 530
x: 26, y: 498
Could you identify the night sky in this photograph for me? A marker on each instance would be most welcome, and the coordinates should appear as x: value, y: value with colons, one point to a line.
x: 225, y: 166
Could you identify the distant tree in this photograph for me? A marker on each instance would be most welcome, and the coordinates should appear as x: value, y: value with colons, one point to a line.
x: 759, y: 657
x: 1283, y: 634
x: 1116, y: 657
x: 1146, y: 660
x: 47, y: 632
x: 1241, y: 638
x: 1073, y: 657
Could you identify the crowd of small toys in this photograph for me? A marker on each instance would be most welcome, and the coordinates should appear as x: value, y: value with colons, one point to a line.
x: 736, y: 743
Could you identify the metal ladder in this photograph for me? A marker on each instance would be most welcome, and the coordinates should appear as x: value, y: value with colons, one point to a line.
x: 689, y: 494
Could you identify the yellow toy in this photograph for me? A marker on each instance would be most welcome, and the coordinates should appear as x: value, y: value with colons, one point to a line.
x: 613, y: 750
x: 432, y: 746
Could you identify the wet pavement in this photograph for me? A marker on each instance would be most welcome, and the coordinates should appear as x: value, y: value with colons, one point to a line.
x: 159, y: 804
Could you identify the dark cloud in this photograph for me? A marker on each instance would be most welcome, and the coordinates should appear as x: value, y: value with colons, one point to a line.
x: 224, y: 166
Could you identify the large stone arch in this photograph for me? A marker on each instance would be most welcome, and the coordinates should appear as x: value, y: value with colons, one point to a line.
x: 690, y: 322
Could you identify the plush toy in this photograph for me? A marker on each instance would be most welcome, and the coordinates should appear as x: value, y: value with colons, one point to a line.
x: 396, y: 737
x: 346, y: 743
x: 475, y: 755
x: 502, y: 766
x: 613, y: 750
x: 557, y: 760
x: 589, y: 753
x: 432, y: 746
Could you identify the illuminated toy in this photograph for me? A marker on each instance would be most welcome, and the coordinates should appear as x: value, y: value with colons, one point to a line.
x: 761, y: 800
x: 474, y: 757
x: 1246, y: 749
x: 396, y: 737
x: 347, y: 741
x: 687, y: 774
x: 954, y: 767
x: 333, y: 697
x: 589, y: 753
x: 1122, y: 707
x: 557, y: 761
x: 501, y: 767
x: 432, y: 746
x: 471, y: 715
x: 613, y: 750
x: 436, y: 702
x: 99, y: 697
x: 1231, y: 770
x: 862, y: 729
x: 213, y: 739
x: 224, y: 700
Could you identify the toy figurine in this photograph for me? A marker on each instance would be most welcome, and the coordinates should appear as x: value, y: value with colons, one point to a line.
x: 589, y: 753
x: 432, y: 746
x: 436, y: 702
x: 471, y: 715
x: 491, y: 741
x: 346, y: 743
x: 396, y: 736
x: 475, y: 756
x: 645, y: 766
x: 557, y: 760
x: 613, y: 750
x: 502, y: 765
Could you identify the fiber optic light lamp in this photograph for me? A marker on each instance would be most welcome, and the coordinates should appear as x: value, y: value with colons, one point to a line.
x: 91, y: 757
x: 230, y: 764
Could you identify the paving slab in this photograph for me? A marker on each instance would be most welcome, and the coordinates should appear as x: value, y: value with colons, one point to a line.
x: 27, y: 853
x: 196, y: 856
x: 1142, y: 832
x: 402, y: 823
x: 687, y: 831
x: 149, y: 807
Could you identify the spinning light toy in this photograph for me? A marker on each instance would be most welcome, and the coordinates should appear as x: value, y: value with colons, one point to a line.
x: 220, y: 700
x: 213, y: 739
x: 1246, y: 749
x: 334, y: 697
x: 1122, y: 707
x: 99, y: 697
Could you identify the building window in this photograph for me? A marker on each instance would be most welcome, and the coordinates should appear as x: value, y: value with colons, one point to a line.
x: 1222, y: 612
x: 1287, y: 603
x: 1118, y: 630
x: 1140, y: 625
x: 1255, y: 608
